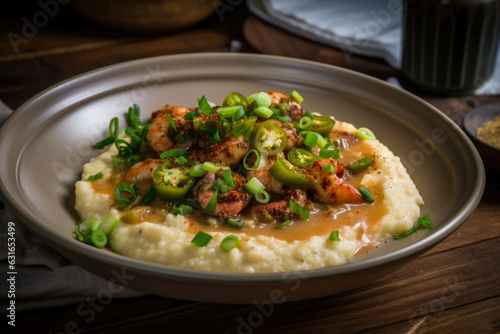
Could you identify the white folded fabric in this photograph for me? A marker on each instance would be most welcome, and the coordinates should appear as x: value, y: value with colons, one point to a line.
x: 366, y: 27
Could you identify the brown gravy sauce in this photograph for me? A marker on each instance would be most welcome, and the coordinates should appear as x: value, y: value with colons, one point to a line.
x: 363, y: 218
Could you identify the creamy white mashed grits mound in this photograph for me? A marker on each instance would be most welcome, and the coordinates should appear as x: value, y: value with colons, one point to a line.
x: 169, y: 242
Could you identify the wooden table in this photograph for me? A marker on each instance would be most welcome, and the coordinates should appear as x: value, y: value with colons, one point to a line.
x: 454, y: 288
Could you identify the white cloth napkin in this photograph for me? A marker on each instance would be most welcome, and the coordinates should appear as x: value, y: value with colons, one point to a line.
x: 366, y: 27
x: 43, y: 278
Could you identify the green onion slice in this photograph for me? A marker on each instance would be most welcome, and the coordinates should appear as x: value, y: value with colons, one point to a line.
x: 365, y: 133
x: 311, y: 139
x: 228, y: 178
x: 235, y: 223
x: 423, y: 222
x: 125, y: 187
x: 303, y: 212
x: 133, y: 116
x: 263, y: 112
x: 361, y: 164
x: 326, y: 152
x: 205, y: 106
x: 367, y: 196
x: 210, y: 167
x: 257, y: 160
x: 113, y: 127
x: 284, y: 224
x: 297, y: 97
x: 263, y: 100
x: 254, y: 186
x: 95, y: 177
x: 150, y: 195
x: 103, y: 143
x: 201, y: 239
x: 109, y: 224
x: 192, y: 114
x: 173, y: 153
x: 171, y: 121
x: 262, y: 196
x: 210, y: 209
x: 304, y: 122
x: 334, y: 236
x: 99, y: 238
x: 328, y: 169
x: 182, y: 210
x: 229, y: 242
x: 197, y: 171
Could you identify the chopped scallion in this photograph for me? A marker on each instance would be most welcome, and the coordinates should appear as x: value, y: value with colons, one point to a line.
x: 210, y: 209
x: 125, y: 187
x: 182, y: 210
x: 150, y: 195
x: 263, y: 100
x: 284, y: 224
x: 254, y: 186
x: 311, y: 139
x: 197, y: 171
x: 103, y: 143
x: 329, y: 151
x: 228, y: 178
x: 205, y: 106
x: 235, y: 223
x: 171, y: 121
x: 229, y: 242
x: 192, y: 114
x: 181, y: 160
x: 365, y: 133
x: 210, y: 167
x: 423, y: 222
x: 367, y: 196
x: 334, y: 236
x: 109, y: 224
x: 95, y: 177
x: 201, y: 239
x: 99, y: 238
x: 263, y: 112
x: 303, y: 212
x: 257, y: 160
x: 297, y: 97
x: 262, y: 196
x: 173, y: 153
x: 113, y: 127
x: 328, y: 169
x: 361, y: 164
x: 304, y: 122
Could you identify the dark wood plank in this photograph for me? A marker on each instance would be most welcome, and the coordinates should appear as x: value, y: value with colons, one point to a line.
x: 271, y: 40
x: 434, y: 283
x: 477, y: 317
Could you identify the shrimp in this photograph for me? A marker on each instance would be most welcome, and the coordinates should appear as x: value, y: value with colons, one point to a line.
x: 230, y: 150
x: 158, y: 131
x: 142, y: 173
x: 292, y: 136
x: 276, y: 98
x: 262, y: 174
x: 293, y: 108
x: 280, y: 210
x: 228, y: 204
x: 332, y: 187
x: 277, y: 210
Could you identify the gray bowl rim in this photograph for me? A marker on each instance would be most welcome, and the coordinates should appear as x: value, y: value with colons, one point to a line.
x: 95, y: 254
